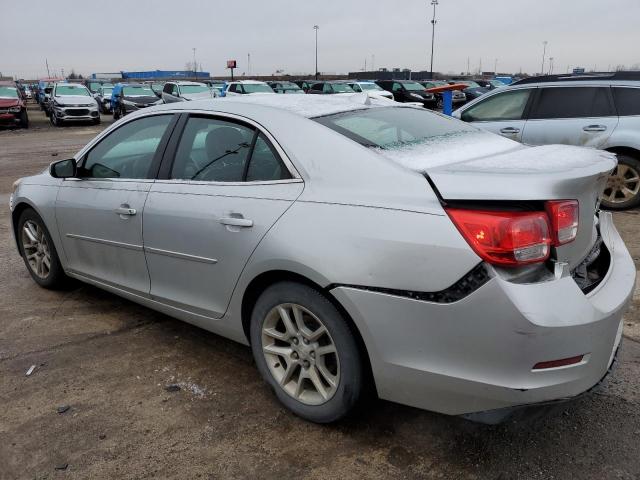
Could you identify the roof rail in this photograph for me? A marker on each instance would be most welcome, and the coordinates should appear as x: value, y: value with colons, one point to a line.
x: 581, y: 77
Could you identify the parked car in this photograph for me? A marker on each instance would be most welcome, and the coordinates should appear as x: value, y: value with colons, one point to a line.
x: 42, y: 96
x: 218, y: 86
x: 285, y: 87
x: 185, y: 91
x: 600, y: 112
x: 473, y: 90
x: 13, y: 108
x: 103, y: 97
x: 462, y: 272
x: 305, y: 85
x: 93, y: 85
x: 130, y: 97
x: 490, y: 84
x: 457, y: 97
x: 370, y: 88
x: 72, y: 102
x: 329, y: 88
x: 248, y: 87
x: 408, y: 91
x: 28, y: 94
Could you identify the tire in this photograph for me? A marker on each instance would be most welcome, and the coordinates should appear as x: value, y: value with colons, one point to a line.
x: 24, y: 119
x: 97, y: 121
x: 614, y: 197
x: 344, y: 364
x: 54, y: 277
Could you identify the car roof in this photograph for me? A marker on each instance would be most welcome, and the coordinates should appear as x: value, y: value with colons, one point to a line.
x: 254, y: 82
x: 188, y: 83
x: 308, y: 106
x: 601, y: 77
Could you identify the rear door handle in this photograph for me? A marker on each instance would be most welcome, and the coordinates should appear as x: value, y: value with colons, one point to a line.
x: 595, y: 128
x: 236, y: 222
x: 508, y: 130
x: 124, y: 209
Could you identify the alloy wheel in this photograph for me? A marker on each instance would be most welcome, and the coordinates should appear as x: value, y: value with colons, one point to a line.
x: 300, y: 354
x: 36, y: 249
x: 622, y: 185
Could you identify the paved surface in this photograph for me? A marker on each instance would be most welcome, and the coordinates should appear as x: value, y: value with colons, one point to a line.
x: 109, y: 360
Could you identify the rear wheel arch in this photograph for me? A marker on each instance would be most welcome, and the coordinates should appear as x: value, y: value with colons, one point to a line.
x: 629, y: 151
x: 260, y: 283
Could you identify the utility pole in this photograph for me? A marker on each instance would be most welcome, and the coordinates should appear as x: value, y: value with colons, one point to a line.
x: 316, y: 28
x: 195, y: 65
x: 433, y: 33
x: 544, y: 53
x: 495, y: 67
x: 249, y: 63
x: 365, y: 64
x: 550, y: 65
x: 47, y: 62
x: 468, y: 66
x: 373, y: 62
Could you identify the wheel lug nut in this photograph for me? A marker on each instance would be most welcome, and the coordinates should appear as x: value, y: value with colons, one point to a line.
x: 294, y: 355
x: 305, y: 341
x: 305, y: 364
x: 295, y: 341
x: 313, y: 354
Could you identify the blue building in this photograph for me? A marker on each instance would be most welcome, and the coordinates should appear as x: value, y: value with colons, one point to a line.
x: 153, y: 74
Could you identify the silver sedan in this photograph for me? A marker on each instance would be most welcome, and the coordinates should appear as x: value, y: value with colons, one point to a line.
x: 352, y: 242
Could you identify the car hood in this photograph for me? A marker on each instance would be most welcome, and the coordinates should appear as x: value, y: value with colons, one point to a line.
x: 197, y: 96
x: 74, y: 100
x: 9, y: 102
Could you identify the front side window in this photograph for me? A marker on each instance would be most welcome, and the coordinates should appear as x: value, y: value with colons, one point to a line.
x: 341, y: 88
x: 503, y: 106
x: 396, y: 87
x: 627, y: 101
x: 217, y: 150
x: 393, y: 127
x: 128, y: 151
x: 571, y: 102
x: 257, y: 88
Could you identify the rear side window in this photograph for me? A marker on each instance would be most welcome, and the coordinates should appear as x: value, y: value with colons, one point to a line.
x: 572, y: 102
x: 627, y: 101
x: 503, y: 106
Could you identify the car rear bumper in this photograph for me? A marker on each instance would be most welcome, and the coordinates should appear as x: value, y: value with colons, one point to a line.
x: 477, y: 354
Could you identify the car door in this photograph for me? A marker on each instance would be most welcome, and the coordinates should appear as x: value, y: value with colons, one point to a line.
x: 99, y: 214
x: 571, y: 115
x: 503, y: 113
x: 226, y: 185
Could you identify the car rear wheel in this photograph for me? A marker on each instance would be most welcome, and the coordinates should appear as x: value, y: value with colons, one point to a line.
x: 623, y: 185
x: 306, y: 352
x: 39, y: 252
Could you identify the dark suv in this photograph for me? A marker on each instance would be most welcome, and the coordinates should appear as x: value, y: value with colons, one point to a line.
x: 329, y: 88
x: 408, y: 91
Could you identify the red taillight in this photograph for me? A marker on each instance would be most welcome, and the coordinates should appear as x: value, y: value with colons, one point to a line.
x: 564, y: 362
x: 505, y: 238
x: 564, y: 220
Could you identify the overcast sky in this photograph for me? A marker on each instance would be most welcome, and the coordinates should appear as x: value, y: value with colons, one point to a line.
x: 160, y: 34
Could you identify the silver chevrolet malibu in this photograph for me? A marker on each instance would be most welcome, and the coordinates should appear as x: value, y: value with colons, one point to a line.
x: 352, y: 242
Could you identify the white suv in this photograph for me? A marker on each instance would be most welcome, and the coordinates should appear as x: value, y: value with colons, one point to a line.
x: 596, y: 110
x: 245, y: 87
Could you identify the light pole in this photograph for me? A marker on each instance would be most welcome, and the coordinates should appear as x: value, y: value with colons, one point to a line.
x: 433, y: 32
x: 195, y: 65
x: 544, y: 53
x: 316, y: 28
x: 550, y: 65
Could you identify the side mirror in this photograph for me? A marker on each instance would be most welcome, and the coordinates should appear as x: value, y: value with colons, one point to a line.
x: 64, y: 169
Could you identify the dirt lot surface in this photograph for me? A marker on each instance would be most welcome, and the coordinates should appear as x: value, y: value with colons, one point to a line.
x: 110, y: 360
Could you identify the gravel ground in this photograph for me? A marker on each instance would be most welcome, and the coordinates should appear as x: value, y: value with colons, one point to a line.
x: 110, y: 360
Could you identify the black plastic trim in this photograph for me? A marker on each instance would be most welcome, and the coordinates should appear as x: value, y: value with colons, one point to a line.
x: 468, y: 284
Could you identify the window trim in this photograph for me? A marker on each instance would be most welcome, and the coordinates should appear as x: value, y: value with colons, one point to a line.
x: 152, y: 173
x: 168, y: 159
x: 613, y: 112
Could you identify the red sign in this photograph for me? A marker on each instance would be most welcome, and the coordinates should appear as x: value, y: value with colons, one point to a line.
x: 231, y: 64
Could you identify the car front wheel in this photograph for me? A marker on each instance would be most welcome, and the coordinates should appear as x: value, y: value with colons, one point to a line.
x: 623, y: 185
x: 38, y: 251
x: 306, y: 352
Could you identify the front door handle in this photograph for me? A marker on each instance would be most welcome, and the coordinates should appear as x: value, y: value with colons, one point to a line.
x: 125, y: 209
x: 509, y: 130
x: 595, y: 128
x: 236, y: 222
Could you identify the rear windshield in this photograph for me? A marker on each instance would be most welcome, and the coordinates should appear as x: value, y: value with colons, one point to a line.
x: 193, y: 89
x: 137, y: 92
x: 393, y: 127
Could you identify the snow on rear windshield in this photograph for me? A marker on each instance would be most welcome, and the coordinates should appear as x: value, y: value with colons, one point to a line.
x: 393, y: 127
